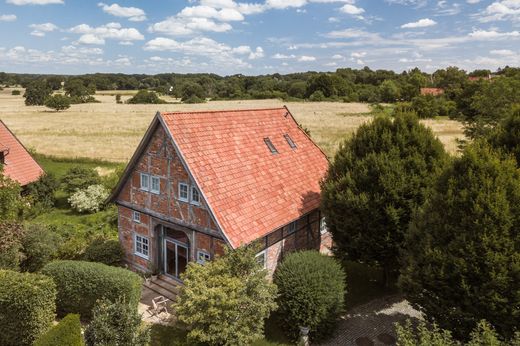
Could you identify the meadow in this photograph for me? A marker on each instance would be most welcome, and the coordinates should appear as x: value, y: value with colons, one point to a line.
x: 110, y: 131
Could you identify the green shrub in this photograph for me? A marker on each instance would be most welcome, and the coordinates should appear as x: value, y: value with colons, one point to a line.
x: 39, y: 246
x: 65, y: 333
x: 193, y: 99
x: 16, y: 92
x: 107, y: 251
x: 81, y: 283
x: 78, y: 178
x: 311, y: 289
x: 145, y: 97
x: 116, y: 323
x: 27, y: 306
x: 58, y: 102
x: 11, y: 236
x: 317, y: 96
x: 42, y: 191
x: 89, y: 200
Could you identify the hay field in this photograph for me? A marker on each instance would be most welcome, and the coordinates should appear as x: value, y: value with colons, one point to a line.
x: 112, y: 131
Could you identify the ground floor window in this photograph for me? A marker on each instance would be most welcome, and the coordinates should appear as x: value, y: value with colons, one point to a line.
x: 142, y: 246
x: 203, y: 257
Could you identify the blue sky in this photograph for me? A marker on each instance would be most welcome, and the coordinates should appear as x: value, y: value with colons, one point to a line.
x: 256, y: 36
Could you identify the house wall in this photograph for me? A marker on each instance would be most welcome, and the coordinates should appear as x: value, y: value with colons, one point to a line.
x: 162, y: 160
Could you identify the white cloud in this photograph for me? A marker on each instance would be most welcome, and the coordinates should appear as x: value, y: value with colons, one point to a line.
x: 503, y: 52
x: 283, y: 56
x: 133, y: 14
x: 41, y: 29
x: 421, y: 23
x: 351, y: 9
x: 225, y: 14
x: 257, y: 53
x: 358, y: 54
x: 337, y: 57
x: 493, y: 34
x: 472, y: 1
x: 501, y: 10
x: 306, y: 58
x: 7, y: 18
x: 34, y: 2
x: 283, y: 4
x: 178, y: 26
x: 97, y: 35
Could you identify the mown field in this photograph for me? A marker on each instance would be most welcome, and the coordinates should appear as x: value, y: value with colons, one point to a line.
x: 111, y: 131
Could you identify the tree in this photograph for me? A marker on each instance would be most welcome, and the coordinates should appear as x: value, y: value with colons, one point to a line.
x: 76, y: 88
x: 42, y: 191
x: 461, y: 255
x: 10, y: 200
x: 506, y: 135
x: 145, y: 97
x: 389, y: 91
x: 322, y: 82
x: 226, y: 301
x: 191, y: 90
x: 78, y: 178
x: 117, y: 324
x: 58, y: 102
x: 378, y: 177
x: 36, y: 93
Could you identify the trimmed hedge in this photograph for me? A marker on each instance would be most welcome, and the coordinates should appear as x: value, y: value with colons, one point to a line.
x: 80, y: 284
x: 104, y: 251
x: 65, y: 333
x: 311, y: 289
x: 27, y: 307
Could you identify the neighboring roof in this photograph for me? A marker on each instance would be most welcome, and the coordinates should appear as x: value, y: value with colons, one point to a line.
x: 19, y: 165
x: 250, y: 191
x: 432, y: 91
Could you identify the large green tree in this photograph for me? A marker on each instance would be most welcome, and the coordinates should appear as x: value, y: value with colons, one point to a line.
x: 461, y: 262
x: 378, y: 177
x: 506, y: 136
x: 37, y: 92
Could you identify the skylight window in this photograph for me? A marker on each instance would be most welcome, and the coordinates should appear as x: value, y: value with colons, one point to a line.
x: 290, y: 141
x: 270, y: 146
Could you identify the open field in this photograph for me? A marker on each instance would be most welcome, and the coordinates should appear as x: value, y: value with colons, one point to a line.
x: 111, y: 131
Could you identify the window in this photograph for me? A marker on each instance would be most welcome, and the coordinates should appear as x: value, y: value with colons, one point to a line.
x: 290, y: 141
x: 270, y: 146
x: 261, y: 258
x: 156, y: 185
x: 136, y: 216
x: 291, y: 228
x: 323, y: 226
x: 183, y: 192
x: 202, y: 257
x: 142, y: 248
x: 145, y: 182
x: 195, y: 196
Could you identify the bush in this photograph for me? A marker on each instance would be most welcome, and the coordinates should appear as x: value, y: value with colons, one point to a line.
x: 317, y: 96
x: 58, y: 102
x: 80, y: 284
x: 312, y: 289
x: 78, y: 178
x: 65, y: 333
x: 11, y: 236
x: 39, y: 246
x: 116, y: 323
x: 27, y: 305
x: 118, y: 98
x: 89, y: 200
x: 42, y: 191
x: 16, y: 92
x: 226, y: 301
x: 105, y: 251
x: 193, y: 99
x: 145, y: 97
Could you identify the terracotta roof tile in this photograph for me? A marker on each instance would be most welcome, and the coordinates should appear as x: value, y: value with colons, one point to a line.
x: 19, y: 165
x: 251, y: 191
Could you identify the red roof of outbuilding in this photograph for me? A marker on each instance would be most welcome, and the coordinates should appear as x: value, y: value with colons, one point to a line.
x: 19, y: 165
x: 250, y: 190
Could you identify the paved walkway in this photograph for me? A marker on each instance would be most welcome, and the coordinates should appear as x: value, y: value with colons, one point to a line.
x: 146, y: 310
x: 373, y: 324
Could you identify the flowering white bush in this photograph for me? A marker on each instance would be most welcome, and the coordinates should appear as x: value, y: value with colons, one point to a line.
x: 89, y: 200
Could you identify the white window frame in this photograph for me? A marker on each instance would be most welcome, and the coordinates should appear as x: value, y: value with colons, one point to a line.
x: 193, y: 201
x: 142, y: 187
x: 187, y: 198
x: 291, y: 228
x: 262, y: 254
x: 158, y: 180
x: 323, y: 226
x: 141, y: 241
x: 206, y: 257
x: 136, y: 216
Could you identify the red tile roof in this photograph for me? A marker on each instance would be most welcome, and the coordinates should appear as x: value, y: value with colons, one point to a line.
x: 19, y: 165
x: 432, y: 91
x: 250, y: 190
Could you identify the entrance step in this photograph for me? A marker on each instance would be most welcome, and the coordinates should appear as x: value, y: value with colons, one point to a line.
x: 164, y: 286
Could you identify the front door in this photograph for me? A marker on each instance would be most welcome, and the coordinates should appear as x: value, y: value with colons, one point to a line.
x: 175, y: 257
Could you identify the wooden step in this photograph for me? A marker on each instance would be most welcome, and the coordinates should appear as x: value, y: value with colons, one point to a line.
x: 161, y: 291
x: 165, y: 286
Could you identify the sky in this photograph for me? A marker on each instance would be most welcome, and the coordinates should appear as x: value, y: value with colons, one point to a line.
x: 256, y: 36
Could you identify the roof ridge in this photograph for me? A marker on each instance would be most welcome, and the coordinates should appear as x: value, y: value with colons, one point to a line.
x: 225, y: 110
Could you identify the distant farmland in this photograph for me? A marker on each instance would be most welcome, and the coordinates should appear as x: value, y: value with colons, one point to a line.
x: 112, y: 131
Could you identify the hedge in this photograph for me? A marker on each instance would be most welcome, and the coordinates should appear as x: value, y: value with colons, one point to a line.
x: 108, y: 252
x: 27, y: 307
x: 66, y: 333
x: 80, y: 284
x: 311, y: 289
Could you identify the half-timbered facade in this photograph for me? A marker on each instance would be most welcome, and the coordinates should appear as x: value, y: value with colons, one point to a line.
x: 203, y: 181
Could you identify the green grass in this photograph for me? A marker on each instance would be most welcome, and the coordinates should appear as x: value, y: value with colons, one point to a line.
x: 59, y: 166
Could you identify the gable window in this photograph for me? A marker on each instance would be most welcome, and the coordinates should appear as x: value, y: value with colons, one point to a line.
x: 145, y: 182
x: 323, y: 226
x: 261, y: 258
x: 195, y: 196
x: 290, y: 141
x: 291, y: 228
x: 156, y: 185
x: 136, y: 216
x: 142, y: 246
x: 270, y: 145
x: 183, y: 192
x: 202, y: 257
